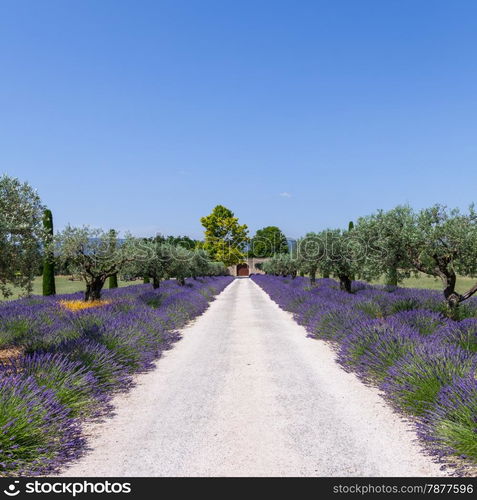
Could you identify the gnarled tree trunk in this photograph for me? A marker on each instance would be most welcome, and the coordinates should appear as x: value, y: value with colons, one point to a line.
x: 452, y: 297
x: 345, y: 283
x: 93, y: 289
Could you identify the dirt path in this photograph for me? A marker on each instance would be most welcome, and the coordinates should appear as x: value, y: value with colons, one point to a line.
x: 247, y: 393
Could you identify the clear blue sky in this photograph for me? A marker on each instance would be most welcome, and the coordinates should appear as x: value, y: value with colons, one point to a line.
x: 144, y: 114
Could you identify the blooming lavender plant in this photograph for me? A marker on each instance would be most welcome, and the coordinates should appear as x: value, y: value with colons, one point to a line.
x: 37, y: 433
x: 403, y: 341
x: 76, y: 359
x: 451, y: 425
x: 74, y: 385
x: 415, y: 380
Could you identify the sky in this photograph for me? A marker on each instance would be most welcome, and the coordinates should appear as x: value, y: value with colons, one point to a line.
x: 142, y: 115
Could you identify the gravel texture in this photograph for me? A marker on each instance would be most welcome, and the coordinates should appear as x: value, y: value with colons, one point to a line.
x: 246, y: 393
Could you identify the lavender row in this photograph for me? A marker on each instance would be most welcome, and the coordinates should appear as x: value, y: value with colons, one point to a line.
x: 400, y: 340
x: 72, y: 362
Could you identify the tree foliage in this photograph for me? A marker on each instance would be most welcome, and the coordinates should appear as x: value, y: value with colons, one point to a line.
x: 268, y: 242
x: 442, y: 243
x: 342, y: 256
x: 281, y: 265
x: 225, y: 238
x: 157, y: 260
x: 330, y: 252
x: 309, y: 255
x: 91, y: 254
x: 21, y: 234
x: 387, y: 235
x: 398, y: 243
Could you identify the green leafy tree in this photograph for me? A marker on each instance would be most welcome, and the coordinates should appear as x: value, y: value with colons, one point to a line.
x: 49, y: 287
x: 183, y: 241
x: 155, y: 262
x: 281, y: 265
x: 343, y: 256
x: 443, y: 243
x: 436, y: 241
x: 91, y: 255
x: 310, y: 251
x: 200, y: 263
x: 268, y: 242
x: 181, y: 263
x: 21, y: 234
x: 331, y: 252
x: 388, y: 236
x: 225, y: 238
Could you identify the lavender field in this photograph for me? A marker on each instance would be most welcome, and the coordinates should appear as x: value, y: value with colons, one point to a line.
x: 60, y: 363
x: 401, y: 341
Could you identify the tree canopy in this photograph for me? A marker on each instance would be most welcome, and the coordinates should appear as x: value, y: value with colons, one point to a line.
x: 21, y: 234
x: 225, y: 238
x: 268, y: 242
x: 94, y: 255
x: 436, y: 241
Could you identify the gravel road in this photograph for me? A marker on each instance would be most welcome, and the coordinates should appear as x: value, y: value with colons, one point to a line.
x: 246, y: 393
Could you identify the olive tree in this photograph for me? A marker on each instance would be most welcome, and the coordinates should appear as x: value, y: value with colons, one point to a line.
x: 342, y: 255
x: 217, y: 269
x: 281, y: 265
x: 435, y: 241
x: 443, y: 243
x: 200, y: 263
x: 388, y: 237
x: 180, y: 263
x: 309, y: 251
x: 91, y: 255
x: 21, y: 234
x: 151, y: 263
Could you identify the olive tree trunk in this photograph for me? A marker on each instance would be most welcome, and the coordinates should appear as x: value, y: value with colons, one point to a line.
x: 345, y: 283
x: 93, y: 289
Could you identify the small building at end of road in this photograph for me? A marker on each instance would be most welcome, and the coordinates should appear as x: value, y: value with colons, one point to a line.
x: 248, y: 267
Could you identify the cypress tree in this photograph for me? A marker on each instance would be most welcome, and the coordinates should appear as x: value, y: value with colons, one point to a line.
x: 350, y: 228
x: 113, y: 280
x: 49, y: 287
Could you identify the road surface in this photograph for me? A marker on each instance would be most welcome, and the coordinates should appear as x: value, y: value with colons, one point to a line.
x: 246, y: 393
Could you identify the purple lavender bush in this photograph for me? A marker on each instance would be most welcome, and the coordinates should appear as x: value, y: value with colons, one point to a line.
x: 100, y: 361
x: 451, y: 425
x: 373, y: 346
x: 75, y: 360
x: 415, y: 380
x: 403, y: 341
x: 75, y: 387
x: 37, y: 433
x: 461, y: 333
